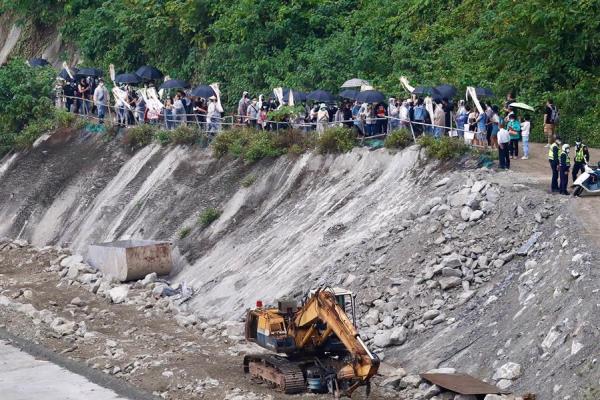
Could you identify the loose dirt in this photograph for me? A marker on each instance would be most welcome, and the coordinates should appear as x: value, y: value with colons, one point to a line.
x: 148, y: 350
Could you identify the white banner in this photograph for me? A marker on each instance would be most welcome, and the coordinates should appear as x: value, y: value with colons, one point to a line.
x: 122, y: 96
x: 471, y: 93
x: 279, y: 94
x: 113, y: 75
x: 215, y: 87
x: 429, y: 107
x: 406, y: 85
x: 69, y: 72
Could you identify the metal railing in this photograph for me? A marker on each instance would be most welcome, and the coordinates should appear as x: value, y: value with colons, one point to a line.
x: 378, y: 128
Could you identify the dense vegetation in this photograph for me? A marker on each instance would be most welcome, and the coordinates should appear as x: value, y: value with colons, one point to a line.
x: 25, y: 105
x: 538, y: 48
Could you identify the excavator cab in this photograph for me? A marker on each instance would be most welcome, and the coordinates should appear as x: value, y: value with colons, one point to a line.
x: 346, y: 299
x: 268, y: 329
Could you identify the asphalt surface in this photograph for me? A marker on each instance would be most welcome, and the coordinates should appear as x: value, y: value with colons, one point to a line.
x: 28, y: 371
x: 24, y: 377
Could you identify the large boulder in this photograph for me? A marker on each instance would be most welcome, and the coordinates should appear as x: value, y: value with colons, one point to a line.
x: 63, y: 327
x: 449, y: 282
x: 510, y: 370
x: 119, y: 294
x: 372, y: 317
x: 398, y: 335
x: 383, y: 339
x: 452, y: 261
x: 476, y: 215
x: 71, y: 260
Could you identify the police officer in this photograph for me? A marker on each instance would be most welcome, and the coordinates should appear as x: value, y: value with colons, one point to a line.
x: 565, y: 163
x: 553, y: 153
x: 582, y: 157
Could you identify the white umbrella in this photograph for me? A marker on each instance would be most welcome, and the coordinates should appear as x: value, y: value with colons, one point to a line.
x: 521, y: 106
x: 354, y: 83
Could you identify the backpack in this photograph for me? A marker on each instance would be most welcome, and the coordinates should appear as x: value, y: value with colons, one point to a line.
x: 554, y: 116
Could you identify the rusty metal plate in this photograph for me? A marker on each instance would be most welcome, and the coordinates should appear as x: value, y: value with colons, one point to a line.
x: 462, y: 384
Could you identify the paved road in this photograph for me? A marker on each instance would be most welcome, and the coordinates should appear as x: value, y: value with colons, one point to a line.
x: 585, y: 208
x: 22, y: 377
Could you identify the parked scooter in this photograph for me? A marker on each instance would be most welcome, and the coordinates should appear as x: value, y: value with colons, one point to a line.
x: 588, y: 183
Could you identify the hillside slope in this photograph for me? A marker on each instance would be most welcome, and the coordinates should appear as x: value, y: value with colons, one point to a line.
x: 431, y: 252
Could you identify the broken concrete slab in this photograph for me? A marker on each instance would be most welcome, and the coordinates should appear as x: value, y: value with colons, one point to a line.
x: 131, y: 259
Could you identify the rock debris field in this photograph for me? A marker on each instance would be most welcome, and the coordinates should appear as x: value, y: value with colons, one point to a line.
x: 472, y: 271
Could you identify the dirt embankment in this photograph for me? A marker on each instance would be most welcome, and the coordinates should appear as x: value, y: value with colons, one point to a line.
x: 433, y: 256
x: 22, y: 38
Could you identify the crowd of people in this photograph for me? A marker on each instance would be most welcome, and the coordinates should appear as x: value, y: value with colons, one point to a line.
x: 481, y: 124
x: 90, y: 95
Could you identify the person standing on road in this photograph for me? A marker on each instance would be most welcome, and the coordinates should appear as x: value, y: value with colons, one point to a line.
x: 582, y: 157
x: 553, y: 154
x: 525, y: 129
x: 83, y: 90
x: 550, y: 121
x: 101, y: 99
x: 439, y: 119
x: 565, y: 163
x: 252, y: 113
x: 418, y: 117
x: 514, y: 128
x: 243, y: 108
x: 503, y: 147
x: 212, y: 115
x: 322, y: 119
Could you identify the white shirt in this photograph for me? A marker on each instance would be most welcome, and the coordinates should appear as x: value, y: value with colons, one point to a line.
x: 404, y: 113
x: 503, y: 136
x: 101, y: 91
x: 525, y: 128
x: 212, y: 110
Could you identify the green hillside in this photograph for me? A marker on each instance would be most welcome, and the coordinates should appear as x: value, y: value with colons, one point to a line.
x: 538, y: 48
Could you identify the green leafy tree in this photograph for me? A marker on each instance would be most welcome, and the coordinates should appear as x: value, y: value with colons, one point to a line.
x: 537, y: 48
x: 25, y: 99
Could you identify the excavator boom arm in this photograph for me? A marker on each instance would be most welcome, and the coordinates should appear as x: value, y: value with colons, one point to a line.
x: 323, y: 307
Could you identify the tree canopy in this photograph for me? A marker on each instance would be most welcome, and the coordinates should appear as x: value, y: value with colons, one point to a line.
x: 536, y: 48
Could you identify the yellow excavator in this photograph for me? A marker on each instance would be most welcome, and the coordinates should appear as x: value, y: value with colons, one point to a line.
x: 322, y: 347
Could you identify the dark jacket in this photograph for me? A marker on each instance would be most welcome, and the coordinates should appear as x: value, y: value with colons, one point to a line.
x: 564, y: 160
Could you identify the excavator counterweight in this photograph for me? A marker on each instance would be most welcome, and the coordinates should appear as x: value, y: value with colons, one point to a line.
x: 322, y: 347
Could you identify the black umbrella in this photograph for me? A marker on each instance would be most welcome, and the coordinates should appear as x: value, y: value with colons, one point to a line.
x: 38, y: 62
x: 370, y: 96
x: 444, y: 91
x: 94, y: 72
x: 127, y: 78
x: 300, y: 96
x: 423, y: 90
x: 320, y: 96
x: 349, y: 94
x: 65, y: 75
x: 204, y: 91
x: 483, y: 92
x: 149, y: 73
x: 175, y: 84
